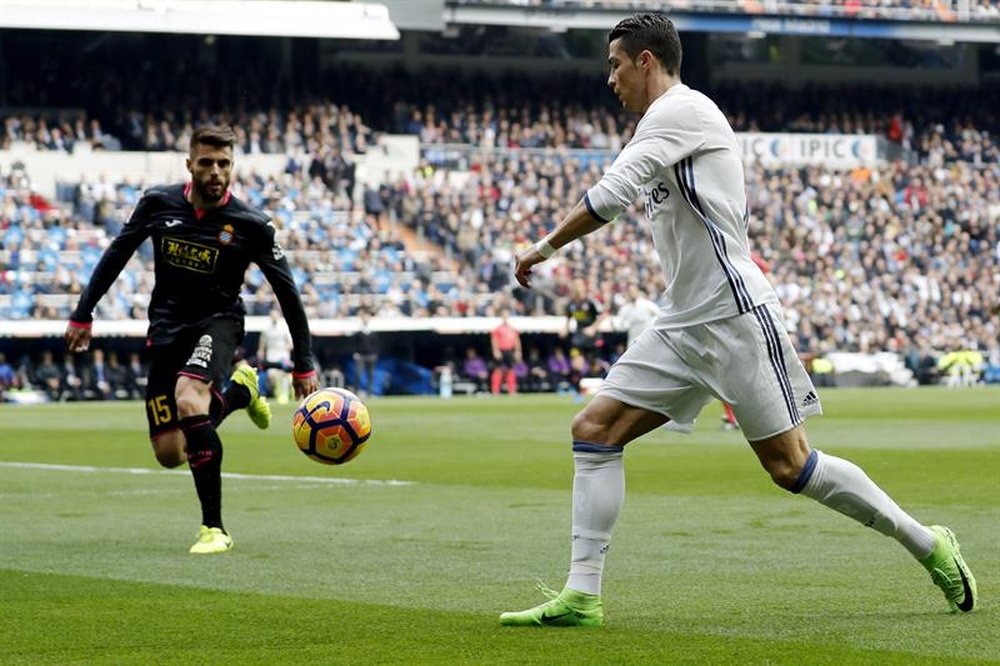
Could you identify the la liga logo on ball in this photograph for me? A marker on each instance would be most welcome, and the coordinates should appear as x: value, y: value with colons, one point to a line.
x: 331, y: 426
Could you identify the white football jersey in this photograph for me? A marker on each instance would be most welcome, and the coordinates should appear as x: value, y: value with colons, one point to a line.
x: 277, y: 342
x: 685, y: 160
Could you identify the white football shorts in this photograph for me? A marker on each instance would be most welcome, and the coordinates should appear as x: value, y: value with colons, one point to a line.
x: 747, y: 361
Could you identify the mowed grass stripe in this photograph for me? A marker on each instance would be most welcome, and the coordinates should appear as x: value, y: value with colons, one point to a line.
x: 67, y: 619
x: 731, y: 566
x: 711, y: 563
x: 524, y: 442
x: 90, y: 469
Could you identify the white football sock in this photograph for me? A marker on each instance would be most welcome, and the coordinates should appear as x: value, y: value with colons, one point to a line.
x: 844, y: 487
x: 598, y: 496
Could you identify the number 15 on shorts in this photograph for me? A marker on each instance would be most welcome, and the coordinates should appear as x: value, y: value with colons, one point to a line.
x: 159, y: 410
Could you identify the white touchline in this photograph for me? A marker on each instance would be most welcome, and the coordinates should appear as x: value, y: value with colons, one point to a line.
x: 226, y: 475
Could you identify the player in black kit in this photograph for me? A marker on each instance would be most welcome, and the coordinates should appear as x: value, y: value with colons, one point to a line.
x: 203, y: 239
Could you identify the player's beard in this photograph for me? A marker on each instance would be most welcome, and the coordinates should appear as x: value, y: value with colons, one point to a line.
x: 210, y: 195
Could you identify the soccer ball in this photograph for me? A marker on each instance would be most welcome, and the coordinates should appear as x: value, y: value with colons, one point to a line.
x: 331, y: 426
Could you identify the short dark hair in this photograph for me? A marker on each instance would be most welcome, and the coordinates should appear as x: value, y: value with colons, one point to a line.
x: 650, y: 31
x: 219, y: 136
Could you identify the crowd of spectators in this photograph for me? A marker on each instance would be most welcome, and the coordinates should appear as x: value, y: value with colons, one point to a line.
x: 545, y: 113
x: 302, y: 129
x: 900, y: 258
x: 900, y: 10
x: 340, y: 255
x: 91, y: 376
x: 866, y: 260
x: 552, y: 371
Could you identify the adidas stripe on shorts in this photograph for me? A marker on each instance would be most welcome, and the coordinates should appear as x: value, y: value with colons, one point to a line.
x: 747, y: 361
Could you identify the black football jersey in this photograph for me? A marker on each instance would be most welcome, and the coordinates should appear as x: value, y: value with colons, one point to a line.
x: 200, y: 259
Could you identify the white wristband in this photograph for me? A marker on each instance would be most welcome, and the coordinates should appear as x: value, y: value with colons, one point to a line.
x: 544, y: 248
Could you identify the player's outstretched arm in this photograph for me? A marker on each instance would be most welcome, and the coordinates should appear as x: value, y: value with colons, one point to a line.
x: 112, y: 263
x: 579, y: 222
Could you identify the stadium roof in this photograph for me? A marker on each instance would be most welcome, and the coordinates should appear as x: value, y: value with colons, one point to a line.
x: 272, y: 18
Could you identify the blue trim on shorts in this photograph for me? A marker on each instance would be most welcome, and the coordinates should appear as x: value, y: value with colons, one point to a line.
x: 588, y: 447
x: 777, y: 357
x: 806, y: 473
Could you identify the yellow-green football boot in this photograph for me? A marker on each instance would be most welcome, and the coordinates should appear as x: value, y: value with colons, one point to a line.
x: 950, y: 572
x: 568, y: 608
x: 211, y: 540
x: 258, y: 410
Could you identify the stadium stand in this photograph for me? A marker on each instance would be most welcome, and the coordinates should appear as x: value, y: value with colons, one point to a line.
x: 875, y: 260
x: 896, y: 258
x: 898, y: 10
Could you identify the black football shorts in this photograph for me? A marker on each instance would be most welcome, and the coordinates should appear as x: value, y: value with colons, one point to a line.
x: 205, y: 352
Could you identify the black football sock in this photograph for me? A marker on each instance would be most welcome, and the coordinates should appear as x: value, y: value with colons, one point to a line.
x: 235, y: 397
x: 204, y: 451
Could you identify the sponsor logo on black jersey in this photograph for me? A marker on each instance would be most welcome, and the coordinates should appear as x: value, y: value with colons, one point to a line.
x: 185, y: 254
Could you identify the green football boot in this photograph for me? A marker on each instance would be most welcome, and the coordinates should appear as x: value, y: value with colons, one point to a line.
x: 568, y: 608
x: 950, y: 572
x: 258, y: 410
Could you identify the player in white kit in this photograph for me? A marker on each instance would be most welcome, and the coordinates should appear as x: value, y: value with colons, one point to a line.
x: 719, y: 333
x: 274, y: 352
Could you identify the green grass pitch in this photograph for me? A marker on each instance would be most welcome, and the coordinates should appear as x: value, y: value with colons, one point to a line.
x: 407, y: 554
